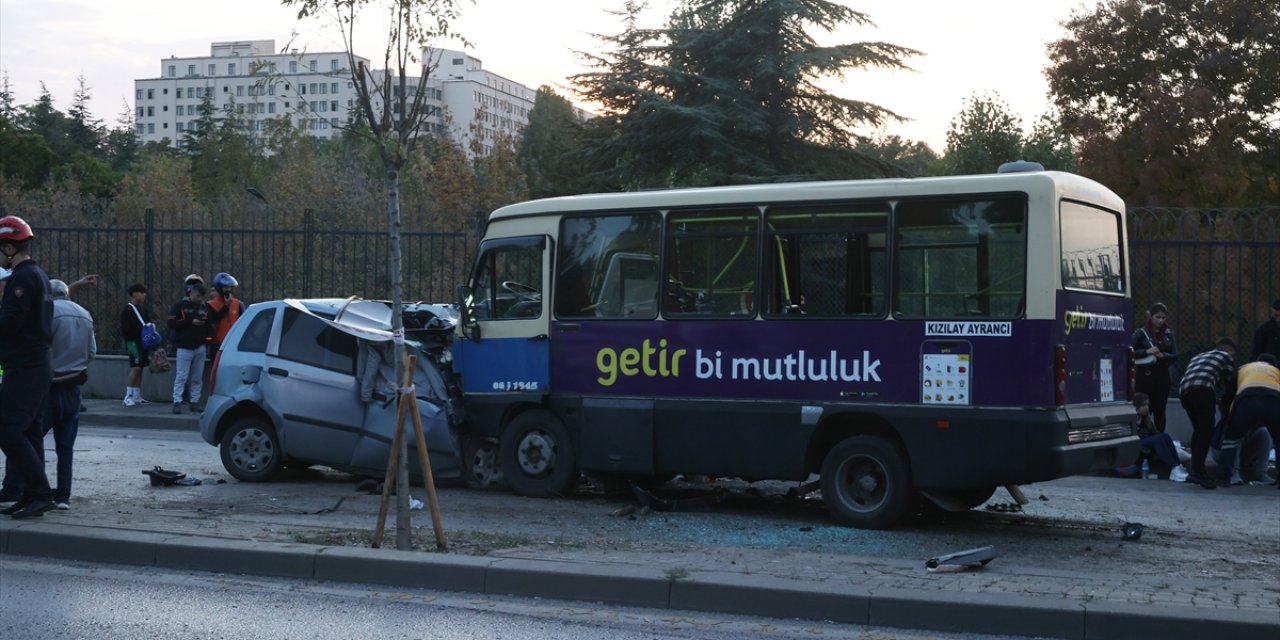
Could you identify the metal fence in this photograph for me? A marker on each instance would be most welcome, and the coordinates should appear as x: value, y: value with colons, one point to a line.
x: 314, y: 259
x: 1217, y: 270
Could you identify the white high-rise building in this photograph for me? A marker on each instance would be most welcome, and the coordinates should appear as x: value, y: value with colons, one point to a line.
x: 251, y: 79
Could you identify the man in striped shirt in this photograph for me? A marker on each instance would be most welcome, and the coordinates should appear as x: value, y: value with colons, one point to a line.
x: 1199, y: 393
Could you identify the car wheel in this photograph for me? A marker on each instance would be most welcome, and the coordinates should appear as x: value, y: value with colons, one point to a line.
x: 251, y: 450
x: 480, y: 466
x: 865, y: 482
x: 537, y: 456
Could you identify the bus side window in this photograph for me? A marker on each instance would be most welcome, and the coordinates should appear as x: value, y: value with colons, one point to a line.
x: 961, y: 257
x: 607, y: 267
x: 827, y: 261
x: 711, y: 261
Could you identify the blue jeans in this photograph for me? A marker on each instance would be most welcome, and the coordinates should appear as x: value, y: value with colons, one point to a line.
x: 62, y: 416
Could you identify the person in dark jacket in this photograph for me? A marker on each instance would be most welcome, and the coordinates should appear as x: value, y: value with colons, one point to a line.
x: 1154, y: 351
x: 135, y: 314
x: 1267, y: 337
x: 26, y: 347
x: 189, y: 320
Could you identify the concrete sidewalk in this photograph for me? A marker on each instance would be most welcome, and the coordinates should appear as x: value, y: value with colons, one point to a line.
x: 157, y: 415
x: 259, y: 528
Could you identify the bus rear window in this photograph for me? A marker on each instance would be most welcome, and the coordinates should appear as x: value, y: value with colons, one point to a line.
x: 1091, y: 249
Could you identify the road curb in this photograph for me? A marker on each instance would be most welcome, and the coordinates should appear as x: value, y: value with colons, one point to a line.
x: 141, y: 420
x: 717, y: 592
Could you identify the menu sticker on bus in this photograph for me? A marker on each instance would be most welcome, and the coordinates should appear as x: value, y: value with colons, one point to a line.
x: 945, y: 378
x: 1105, y: 380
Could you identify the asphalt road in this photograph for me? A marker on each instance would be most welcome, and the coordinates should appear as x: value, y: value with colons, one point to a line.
x: 1071, y: 524
x: 44, y: 600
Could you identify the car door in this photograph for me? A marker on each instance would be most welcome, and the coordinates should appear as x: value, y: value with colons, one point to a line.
x: 309, y: 386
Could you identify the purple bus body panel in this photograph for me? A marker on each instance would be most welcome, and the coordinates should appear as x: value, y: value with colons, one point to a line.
x: 872, y: 361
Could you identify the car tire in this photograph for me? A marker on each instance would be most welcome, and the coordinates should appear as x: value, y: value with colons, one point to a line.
x: 481, y: 468
x: 537, y: 456
x: 866, y: 483
x: 251, y: 450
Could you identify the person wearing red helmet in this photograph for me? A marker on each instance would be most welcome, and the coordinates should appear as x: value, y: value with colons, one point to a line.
x: 26, y: 347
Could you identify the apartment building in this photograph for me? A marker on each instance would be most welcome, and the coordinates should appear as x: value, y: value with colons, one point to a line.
x: 253, y: 80
x: 314, y: 89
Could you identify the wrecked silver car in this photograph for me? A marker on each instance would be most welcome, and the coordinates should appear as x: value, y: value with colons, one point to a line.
x: 311, y: 382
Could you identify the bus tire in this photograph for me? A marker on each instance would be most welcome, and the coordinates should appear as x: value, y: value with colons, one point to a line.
x: 537, y: 455
x: 865, y: 482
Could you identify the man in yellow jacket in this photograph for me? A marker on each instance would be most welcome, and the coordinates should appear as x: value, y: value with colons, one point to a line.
x: 1257, y: 404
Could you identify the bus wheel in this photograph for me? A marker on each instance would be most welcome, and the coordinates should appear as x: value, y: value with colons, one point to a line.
x: 537, y: 456
x: 865, y: 482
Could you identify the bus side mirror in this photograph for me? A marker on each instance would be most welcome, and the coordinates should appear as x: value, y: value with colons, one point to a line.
x: 467, y: 322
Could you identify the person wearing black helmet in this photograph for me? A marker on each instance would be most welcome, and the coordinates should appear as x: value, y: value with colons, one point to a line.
x: 26, y: 347
x: 224, y: 308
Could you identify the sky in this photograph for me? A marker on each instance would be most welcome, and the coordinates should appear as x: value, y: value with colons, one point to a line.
x: 970, y: 47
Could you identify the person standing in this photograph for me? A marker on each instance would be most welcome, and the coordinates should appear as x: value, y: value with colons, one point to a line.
x: 74, y: 347
x: 1210, y: 379
x: 1257, y: 404
x: 26, y: 337
x: 224, y: 308
x: 189, y: 320
x: 1266, y: 339
x: 134, y: 315
x: 1154, y: 352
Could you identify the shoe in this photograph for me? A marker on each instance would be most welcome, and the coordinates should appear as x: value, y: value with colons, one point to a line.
x: 7, y: 503
x: 142, y: 400
x: 12, y: 508
x: 1261, y: 483
x: 1178, y: 474
x: 129, y: 402
x: 177, y: 408
x: 62, y: 506
x: 34, y: 508
x: 1202, y: 479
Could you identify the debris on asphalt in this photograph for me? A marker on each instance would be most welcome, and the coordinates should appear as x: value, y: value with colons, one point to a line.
x: 161, y: 477
x: 1004, y: 507
x: 962, y: 560
x: 1132, y: 531
x: 679, y: 501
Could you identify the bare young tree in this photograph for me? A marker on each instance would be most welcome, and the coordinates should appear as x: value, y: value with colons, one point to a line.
x: 392, y: 115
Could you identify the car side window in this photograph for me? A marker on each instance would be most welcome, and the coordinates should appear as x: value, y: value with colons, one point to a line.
x: 308, y: 340
x: 256, y: 335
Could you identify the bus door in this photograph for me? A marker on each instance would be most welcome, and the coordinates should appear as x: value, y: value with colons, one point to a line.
x: 503, y: 345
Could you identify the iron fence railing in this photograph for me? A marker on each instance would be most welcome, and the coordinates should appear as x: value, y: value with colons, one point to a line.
x: 301, y: 261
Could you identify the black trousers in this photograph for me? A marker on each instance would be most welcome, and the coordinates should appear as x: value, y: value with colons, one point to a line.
x: 1200, y: 403
x: 21, y: 434
x: 1154, y: 381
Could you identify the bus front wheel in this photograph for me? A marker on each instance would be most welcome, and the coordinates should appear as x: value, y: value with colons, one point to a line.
x: 536, y: 455
x: 865, y: 482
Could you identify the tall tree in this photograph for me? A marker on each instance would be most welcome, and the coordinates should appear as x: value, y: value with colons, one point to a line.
x: 550, y: 146
x: 729, y: 91
x: 1174, y: 102
x: 84, y: 130
x: 982, y: 136
x: 393, y: 103
x: 8, y: 110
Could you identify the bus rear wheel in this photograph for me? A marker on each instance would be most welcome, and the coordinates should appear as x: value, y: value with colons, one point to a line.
x: 865, y: 482
x: 536, y: 455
